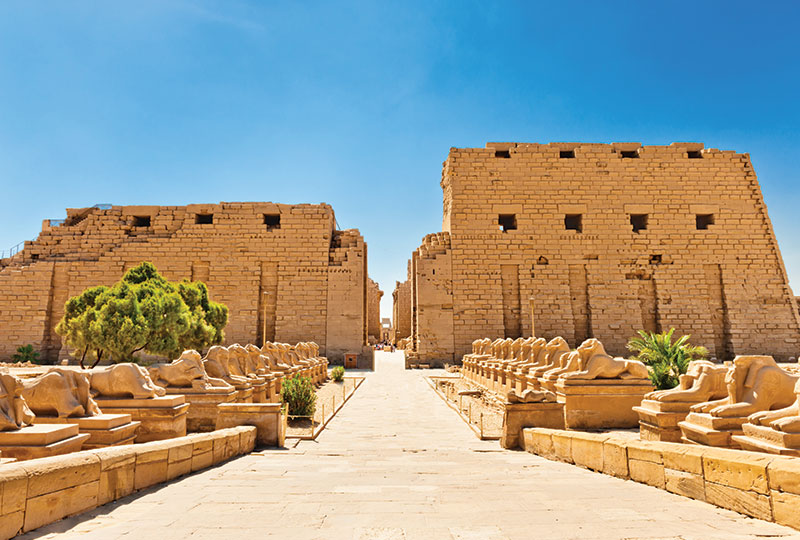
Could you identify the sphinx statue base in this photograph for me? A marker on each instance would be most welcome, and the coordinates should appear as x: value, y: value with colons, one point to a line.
x: 103, y: 429
x: 708, y: 430
x: 769, y: 440
x: 601, y: 403
x: 202, y: 414
x: 41, y: 440
x: 162, y: 417
x: 658, y: 420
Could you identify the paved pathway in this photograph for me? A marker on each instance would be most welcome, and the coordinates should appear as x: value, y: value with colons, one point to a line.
x: 397, y: 463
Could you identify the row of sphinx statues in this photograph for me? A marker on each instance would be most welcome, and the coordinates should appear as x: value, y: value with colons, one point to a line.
x: 529, y: 368
x: 750, y: 402
x: 64, y: 392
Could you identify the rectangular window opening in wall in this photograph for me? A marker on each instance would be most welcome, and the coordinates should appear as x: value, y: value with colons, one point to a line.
x: 704, y: 221
x: 638, y: 222
x: 573, y: 222
x: 502, y: 154
x: 566, y: 154
x: 507, y: 222
x: 204, y: 219
x: 272, y: 221
x: 695, y: 154
x: 141, y: 221
x: 630, y: 154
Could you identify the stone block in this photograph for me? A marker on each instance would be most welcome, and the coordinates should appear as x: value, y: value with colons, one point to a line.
x: 587, y: 450
x: 161, y: 417
x: 562, y: 446
x: 737, y: 469
x: 685, y: 483
x: 117, y: 466
x: 13, y: 488
x: 517, y: 416
x: 749, y: 503
x: 683, y: 457
x: 265, y: 417
x: 539, y: 442
x: 615, y: 457
x: 601, y: 404
x: 646, y: 472
x: 55, y: 505
x: 57, y: 473
x: 783, y: 474
x: 786, y: 508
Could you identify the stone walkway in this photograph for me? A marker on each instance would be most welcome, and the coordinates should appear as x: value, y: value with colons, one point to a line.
x: 397, y: 463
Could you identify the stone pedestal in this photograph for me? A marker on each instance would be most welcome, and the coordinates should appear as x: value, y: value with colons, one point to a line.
x: 244, y: 394
x: 41, y: 440
x: 601, y: 403
x: 161, y: 417
x: 702, y: 428
x: 658, y: 420
x: 260, y: 392
x: 103, y: 429
x: 518, y: 416
x: 202, y: 414
x: 769, y: 440
x: 266, y: 417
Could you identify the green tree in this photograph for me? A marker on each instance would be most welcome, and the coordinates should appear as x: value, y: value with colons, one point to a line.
x: 143, y: 311
x: 666, y: 360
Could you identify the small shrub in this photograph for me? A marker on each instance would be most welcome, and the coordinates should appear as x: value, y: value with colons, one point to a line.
x: 666, y: 361
x: 338, y: 374
x: 298, y: 393
x: 25, y: 353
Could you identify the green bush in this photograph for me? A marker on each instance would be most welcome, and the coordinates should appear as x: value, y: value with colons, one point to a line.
x: 143, y: 311
x: 25, y: 353
x: 298, y: 393
x: 666, y: 361
x: 338, y: 374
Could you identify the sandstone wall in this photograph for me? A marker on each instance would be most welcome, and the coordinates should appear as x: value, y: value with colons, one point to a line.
x: 703, y: 258
x: 374, y: 311
x: 401, y: 309
x: 277, y: 267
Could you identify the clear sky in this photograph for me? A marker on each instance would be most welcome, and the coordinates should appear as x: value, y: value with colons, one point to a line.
x: 357, y: 103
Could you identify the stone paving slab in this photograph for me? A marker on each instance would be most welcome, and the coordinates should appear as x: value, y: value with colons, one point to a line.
x: 397, y: 463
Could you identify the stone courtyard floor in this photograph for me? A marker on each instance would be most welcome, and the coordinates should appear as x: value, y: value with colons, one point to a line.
x: 397, y: 463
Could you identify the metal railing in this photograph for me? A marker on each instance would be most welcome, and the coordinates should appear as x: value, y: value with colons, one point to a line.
x: 12, y: 250
x: 321, y: 418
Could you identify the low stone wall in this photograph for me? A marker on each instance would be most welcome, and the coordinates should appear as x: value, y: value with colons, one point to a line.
x: 759, y: 485
x: 40, y: 491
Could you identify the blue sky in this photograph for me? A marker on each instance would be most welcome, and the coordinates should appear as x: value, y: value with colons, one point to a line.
x: 357, y: 103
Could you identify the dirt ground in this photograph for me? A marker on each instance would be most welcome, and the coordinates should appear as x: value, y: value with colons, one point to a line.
x: 329, y: 396
x: 483, y: 409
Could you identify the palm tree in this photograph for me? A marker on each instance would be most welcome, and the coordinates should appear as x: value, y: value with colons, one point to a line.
x: 667, y: 360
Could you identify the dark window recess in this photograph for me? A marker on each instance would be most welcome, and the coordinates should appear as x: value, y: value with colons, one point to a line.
x: 573, y: 222
x: 638, y: 222
x: 502, y: 154
x: 204, y: 219
x: 566, y: 154
x: 655, y: 259
x: 695, y: 154
x: 542, y: 260
x: 704, y: 221
x: 507, y: 222
x: 141, y: 221
x: 35, y: 257
x: 272, y: 221
x: 630, y: 153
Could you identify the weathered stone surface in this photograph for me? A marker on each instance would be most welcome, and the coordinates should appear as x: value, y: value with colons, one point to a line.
x: 685, y: 483
x: 745, y: 502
